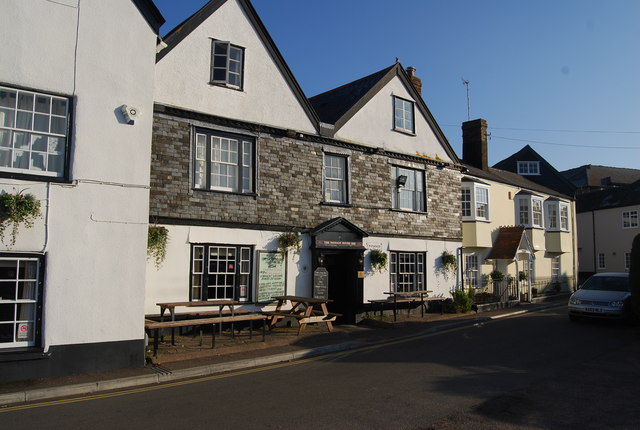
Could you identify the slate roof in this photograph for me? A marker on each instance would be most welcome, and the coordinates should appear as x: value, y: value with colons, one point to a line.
x: 592, y: 175
x: 549, y: 177
x: 609, y: 198
x: 339, y: 105
x: 514, y: 179
x: 334, y: 104
x: 507, y: 243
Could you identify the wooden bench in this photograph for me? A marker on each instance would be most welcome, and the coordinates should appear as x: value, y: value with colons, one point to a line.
x: 424, y: 303
x: 157, y: 325
x: 304, y: 319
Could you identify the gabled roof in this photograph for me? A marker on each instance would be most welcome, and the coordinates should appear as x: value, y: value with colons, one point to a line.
x: 549, y: 177
x: 343, y: 222
x: 509, y: 241
x: 182, y: 30
x: 339, y: 105
x: 596, y: 176
x: 150, y: 13
x: 510, y: 178
x: 609, y: 198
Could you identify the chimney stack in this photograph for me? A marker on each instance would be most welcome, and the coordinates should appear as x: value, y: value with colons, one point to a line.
x: 474, y: 144
x: 416, y: 81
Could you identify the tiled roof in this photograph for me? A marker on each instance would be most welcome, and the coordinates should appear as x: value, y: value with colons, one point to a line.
x: 593, y: 175
x: 507, y: 243
x: 609, y: 198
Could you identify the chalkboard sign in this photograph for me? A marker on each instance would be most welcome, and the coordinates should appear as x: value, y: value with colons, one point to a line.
x: 321, y: 283
x: 272, y: 275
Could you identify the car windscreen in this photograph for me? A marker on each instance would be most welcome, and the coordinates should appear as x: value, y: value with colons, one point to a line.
x: 607, y: 283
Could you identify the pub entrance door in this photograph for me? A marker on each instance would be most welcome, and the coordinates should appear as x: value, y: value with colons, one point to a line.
x: 345, y: 288
x: 337, y: 248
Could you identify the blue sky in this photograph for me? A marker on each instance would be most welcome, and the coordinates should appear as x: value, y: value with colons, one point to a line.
x: 560, y: 75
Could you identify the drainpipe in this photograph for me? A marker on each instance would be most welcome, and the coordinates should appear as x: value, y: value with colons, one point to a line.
x: 460, y: 268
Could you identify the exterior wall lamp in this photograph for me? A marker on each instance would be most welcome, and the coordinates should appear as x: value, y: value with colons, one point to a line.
x: 401, y: 181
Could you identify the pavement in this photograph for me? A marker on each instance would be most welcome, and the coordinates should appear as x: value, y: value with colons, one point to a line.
x: 188, y: 358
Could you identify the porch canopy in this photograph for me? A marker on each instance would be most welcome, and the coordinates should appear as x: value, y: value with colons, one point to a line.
x: 510, y: 242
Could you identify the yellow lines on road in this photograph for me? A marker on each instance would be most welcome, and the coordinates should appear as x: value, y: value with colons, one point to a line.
x: 223, y: 375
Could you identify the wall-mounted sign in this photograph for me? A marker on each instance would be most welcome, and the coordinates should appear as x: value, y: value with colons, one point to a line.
x: 272, y: 276
x: 321, y: 284
x: 338, y: 243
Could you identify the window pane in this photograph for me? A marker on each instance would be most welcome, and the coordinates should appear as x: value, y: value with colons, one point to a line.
x: 21, y: 159
x: 39, y: 143
x: 43, y: 104
x: 7, y: 117
x: 8, y: 98
x: 38, y: 161
x: 5, y: 157
x: 55, y: 164
x: 25, y: 101
x: 56, y: 145
x: 5, y: 136
x: 59, y: 107
x: 58, y: 125
x: 24, y: 120
x: 41, y: 122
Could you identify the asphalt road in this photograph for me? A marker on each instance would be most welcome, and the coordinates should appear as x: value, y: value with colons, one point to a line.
x: 536, y: 370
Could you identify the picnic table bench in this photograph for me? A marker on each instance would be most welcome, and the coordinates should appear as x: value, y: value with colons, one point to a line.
x: 155, y: 326
x: 302, y: 309
x: 396, y: 297
x: 171, y: 307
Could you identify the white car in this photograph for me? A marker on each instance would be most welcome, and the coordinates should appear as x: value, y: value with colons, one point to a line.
x: 603, y: 295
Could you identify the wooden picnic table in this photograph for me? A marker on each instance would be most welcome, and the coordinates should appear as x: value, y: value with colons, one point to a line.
x: 405, y: 297
x: 305, y: 309
x: 171, y: 306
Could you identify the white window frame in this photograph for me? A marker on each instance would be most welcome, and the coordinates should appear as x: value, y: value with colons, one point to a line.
x: 472, y: 271
x: 526, y: 212
x: 336, y: 178
x: 34, y: 132
x: 556, y: 268
x: 413, y: 191
x: 228, y: 60
x: 528, y: 168
x: 223, y: 162
x: 25, y: 323
x: 403, y: 115
x: 479, y: 209
x: 627, y: 261
x: 602, y: 262
x: 557, y: 215
x: 630, y: 219
x: 466, y: 202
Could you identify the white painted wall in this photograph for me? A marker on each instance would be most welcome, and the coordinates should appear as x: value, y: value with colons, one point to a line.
x: 170, y: 282
x: 373, y: 126
x: 94, y: 229
x: 183, y: 75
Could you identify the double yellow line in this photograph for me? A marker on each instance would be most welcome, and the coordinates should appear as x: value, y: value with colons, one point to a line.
x: 222, y: 375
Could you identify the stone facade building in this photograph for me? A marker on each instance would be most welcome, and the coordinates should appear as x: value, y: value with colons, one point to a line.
x: 242, y: 159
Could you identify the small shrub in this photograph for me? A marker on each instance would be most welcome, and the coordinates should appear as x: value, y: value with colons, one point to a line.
x: 496, y: 276
x: 462, y: 302
x: 16, y: 209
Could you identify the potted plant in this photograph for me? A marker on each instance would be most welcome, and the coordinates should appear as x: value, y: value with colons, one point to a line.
x: 157, y: 239
x: 289, y: 240
x: 522, y: 276
x: 496, y: 276
x: 16, y: 209
x: 378, y: 260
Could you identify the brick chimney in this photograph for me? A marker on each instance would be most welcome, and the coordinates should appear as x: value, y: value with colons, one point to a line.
x: 474, y: 144
x: 416, y: 81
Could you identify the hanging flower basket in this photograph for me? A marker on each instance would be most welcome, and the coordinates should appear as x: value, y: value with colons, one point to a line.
x: 449, y: 262
x: 157, y: 239
x: 378, y: 260
x: 289, y: 241
x: 16, y: 209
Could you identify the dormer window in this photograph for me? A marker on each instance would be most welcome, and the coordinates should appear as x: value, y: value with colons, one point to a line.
x: 403, y: 116
x: 528, y: 168
x: 227, y: 64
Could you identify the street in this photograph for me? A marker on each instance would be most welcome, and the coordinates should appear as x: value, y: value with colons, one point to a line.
x: 536, y: 370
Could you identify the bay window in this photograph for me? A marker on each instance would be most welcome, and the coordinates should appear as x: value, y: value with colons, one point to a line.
x: 529, y: 211
x: 557, y: 215
x: 475, y: 201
